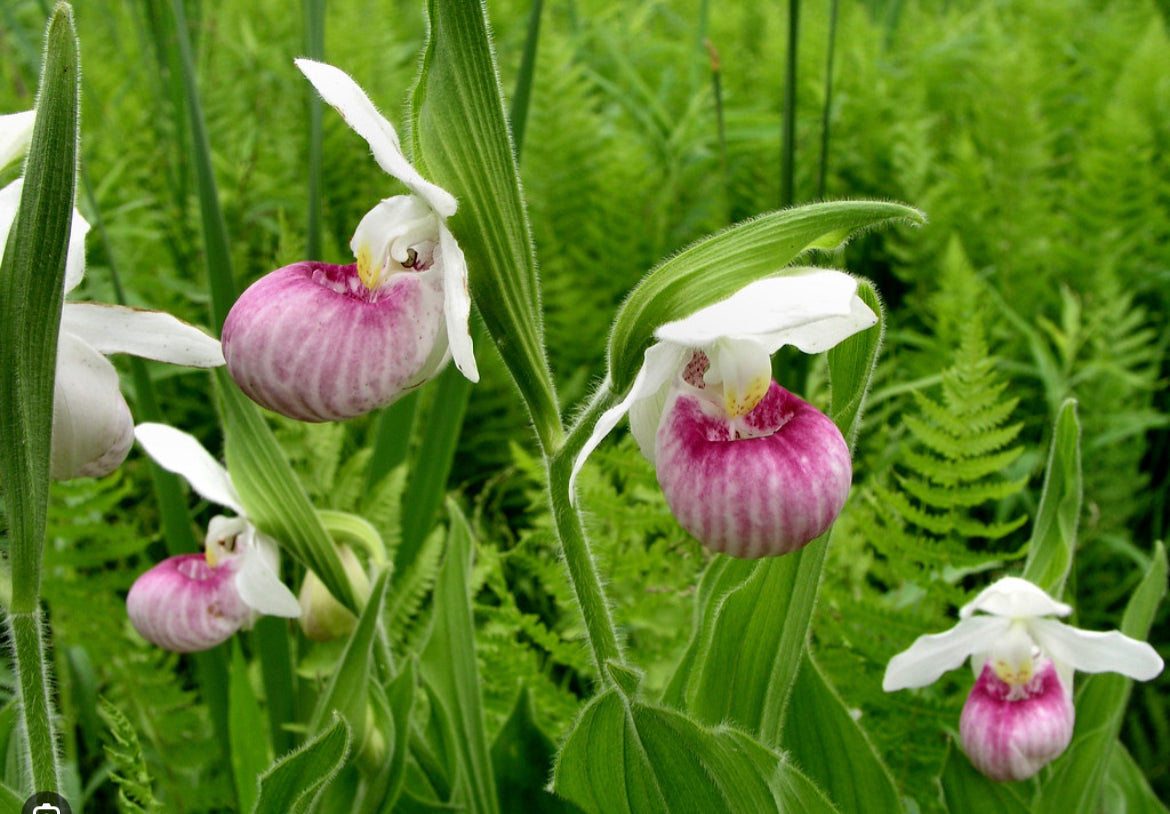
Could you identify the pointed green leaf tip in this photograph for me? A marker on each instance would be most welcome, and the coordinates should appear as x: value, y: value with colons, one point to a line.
x: 716, y: 267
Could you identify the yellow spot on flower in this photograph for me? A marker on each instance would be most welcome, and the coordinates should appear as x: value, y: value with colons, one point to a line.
x: 741, y: 402
x: 1017, y: 674
x: 365, y: 266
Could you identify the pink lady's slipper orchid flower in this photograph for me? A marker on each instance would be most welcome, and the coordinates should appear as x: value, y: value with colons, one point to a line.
x: 746, y: 467
x: 319, y: 342
x: 195, y: 601
x: 1019, y: 715
x: 92, y: 427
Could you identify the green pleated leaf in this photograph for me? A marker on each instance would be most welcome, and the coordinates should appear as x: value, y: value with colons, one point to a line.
x: 269, y: 489
x: 965, y: 790
x: 752, y: 616
x: 10, y: 800
x: 462, y: 143
x: 449, y: 668
x: 247, y: 725
x: 293, y: 783
x: 523, y: 759
x: 1075, y: 782
x: 1054, y: 535
x: 347, y: 692
x: 718, y: 266
x: 32, y: 275
x: 627, y: 757
x: 832, y: 749
x: 392, y: 709
x: 1127, y: 788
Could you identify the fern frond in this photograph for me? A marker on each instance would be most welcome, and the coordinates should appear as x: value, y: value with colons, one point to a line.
x: 129, y: 770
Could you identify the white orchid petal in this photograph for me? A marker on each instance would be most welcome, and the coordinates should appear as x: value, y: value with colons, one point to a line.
x: 343, y: 93
x: 149, y: 334
x: 456, y: 303
x: 9, y: 204
x: 178, y: 452
x: 783, y: 310
x: 75, y: 256
x: 1015, y: 598
x: 1096, y: 652
x: 92, y: 426
x: 660, y: 362
x: 932, y: 655
x: 15, y: 134
x: 257, y: 582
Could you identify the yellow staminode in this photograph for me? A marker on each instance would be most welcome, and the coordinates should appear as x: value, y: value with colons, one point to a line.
x: 1015, y: 673
x: 741, y: 401
x: 365, y: 266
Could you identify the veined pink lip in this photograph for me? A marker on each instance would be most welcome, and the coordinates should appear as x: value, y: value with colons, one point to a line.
x: 309, y: 341
x: 753, y: 497
x: 184, y: 605
x: 1010, y: 733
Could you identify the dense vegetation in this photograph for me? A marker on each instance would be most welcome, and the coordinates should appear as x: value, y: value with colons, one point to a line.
x: 1036, y: 137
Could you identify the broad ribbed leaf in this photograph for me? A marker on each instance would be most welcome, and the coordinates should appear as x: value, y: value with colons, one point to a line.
x: 966, y: 791
x: 1054, y: 535
x: 275, y: 499
x: 1127, y: 787
x: 718, y: 266
x: 32, y: 276
x: 752, y: 615
x: 449, y: 669
x: 627, y: 757
x: 522, y: 757
x: 462, y: 144
x: 1075, y: 781
x: 248, y: 728
x: 831, y: 748
x: 293, y: 783
x: 347, y: 690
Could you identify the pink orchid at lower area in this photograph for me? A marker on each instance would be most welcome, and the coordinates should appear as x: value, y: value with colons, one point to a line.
x: 1019, y: 716
x: 748, y: 468
x: 193, y: 602
x: 321, y: 342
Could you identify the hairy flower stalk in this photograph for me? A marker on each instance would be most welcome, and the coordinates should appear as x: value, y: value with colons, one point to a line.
x: 1019, y: 716
x: 195, y: 601
x: 92, y: 427
x: 321, y: 342
x: 748, y: 468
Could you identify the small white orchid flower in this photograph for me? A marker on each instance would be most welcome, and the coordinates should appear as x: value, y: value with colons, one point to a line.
x: 196, y: 601
x: 1019, y: 715
x: 748, y: 468
x: 320, y: 342
x: 92, y: 427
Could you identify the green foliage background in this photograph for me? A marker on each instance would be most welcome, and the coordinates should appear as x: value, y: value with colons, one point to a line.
x: 1036, y: 135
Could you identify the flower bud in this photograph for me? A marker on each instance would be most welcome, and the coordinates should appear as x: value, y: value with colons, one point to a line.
x: 323, y: 618
x: 764, y: 484
x: 312, y: 342
x: 185, y: 605
x: 1012, y: 731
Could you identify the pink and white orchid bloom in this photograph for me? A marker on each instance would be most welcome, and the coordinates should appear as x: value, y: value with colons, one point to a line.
x: 195, y: 601
x: 92, y: 427
x: 1019, y: 715
x: 321, y: 342
x: 748, y: 468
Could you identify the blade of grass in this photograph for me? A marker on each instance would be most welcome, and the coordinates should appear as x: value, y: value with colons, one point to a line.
x: 215, y: 240
x: 788, y: 138
x: 314, y: 49
x: 518, y: 114
x: 822, y: 171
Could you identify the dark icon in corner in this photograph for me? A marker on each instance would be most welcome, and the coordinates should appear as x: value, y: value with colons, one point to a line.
x: 46, y: 802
